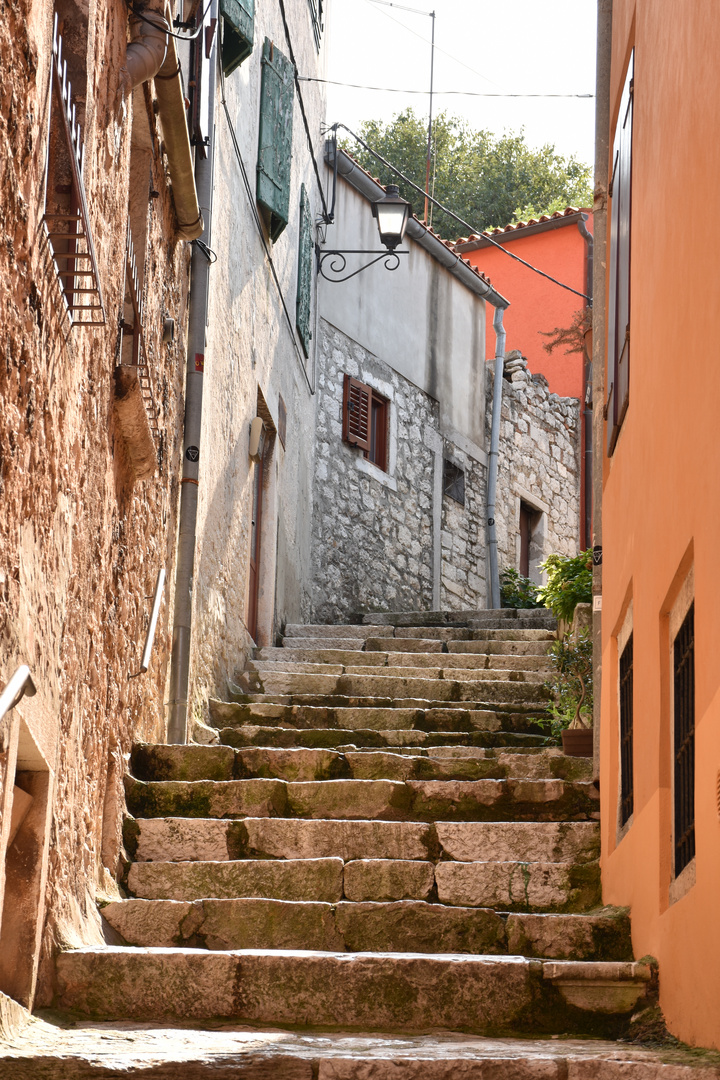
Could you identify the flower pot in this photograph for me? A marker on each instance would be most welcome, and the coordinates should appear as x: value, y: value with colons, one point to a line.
x: 578, y: 742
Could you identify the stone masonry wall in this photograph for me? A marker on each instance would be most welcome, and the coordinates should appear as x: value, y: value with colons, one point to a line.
x: 372, y: 532
x: 539, y: 464
x: 81, y: 539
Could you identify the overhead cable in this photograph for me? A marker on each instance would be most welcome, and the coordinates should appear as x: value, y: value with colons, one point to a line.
x: 471, y: 228
x: 460, y: 93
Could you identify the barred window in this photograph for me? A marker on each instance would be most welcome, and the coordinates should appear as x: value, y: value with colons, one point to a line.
x: 684, y: 741
x: 626, y: 732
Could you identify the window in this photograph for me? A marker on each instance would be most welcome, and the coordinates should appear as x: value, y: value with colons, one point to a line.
x: 275, y: 145
x: 316, y: 14
x: 238, y: 32
x: 453, y: 481
x: 618, y: 350
x: 365, y: 420
x: 683, y: 657
x: 305, y: 269
x: 626, y: 732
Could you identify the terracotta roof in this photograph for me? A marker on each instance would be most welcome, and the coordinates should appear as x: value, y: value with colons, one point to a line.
x: 449, y: 244
x: 544, y: 219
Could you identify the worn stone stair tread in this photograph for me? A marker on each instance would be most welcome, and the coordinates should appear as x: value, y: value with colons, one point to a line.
x: 346, y: 644
x: 519, y: 886
x: 453, y: 666
x: 379, y: 685
x: 379, y: 991
x: 280, y: 879
x: 330, y: 630
x: 77, y: 1051
x: 371, y: 738
x: 392, y: 800
x: 474, y: 659
x: 371, y: 926
x: 211, y: 839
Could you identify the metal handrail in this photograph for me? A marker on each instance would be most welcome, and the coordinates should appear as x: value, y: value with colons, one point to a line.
x: 20, y: 684
x: 150, y: 637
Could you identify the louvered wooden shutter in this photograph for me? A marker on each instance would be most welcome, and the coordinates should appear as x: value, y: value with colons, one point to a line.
x: 619, y: 285
x: 357, y: 404
x: 238, y: 32
x: 305, y: 267
x: 275, y: 148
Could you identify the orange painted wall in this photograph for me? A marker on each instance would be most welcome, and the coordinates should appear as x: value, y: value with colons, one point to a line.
x: 661, y: 496
x: 537, y: 304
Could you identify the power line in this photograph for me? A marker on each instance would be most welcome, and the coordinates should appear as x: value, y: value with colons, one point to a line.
x: 462, y: 93
x: 461, y: 221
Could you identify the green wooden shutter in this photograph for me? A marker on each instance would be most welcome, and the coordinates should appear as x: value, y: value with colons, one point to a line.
x: 305, y: 267
x: 238, y: 32
x: 275, y: 149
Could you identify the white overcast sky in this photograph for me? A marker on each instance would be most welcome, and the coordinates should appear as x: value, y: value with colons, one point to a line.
x: 512, y: 46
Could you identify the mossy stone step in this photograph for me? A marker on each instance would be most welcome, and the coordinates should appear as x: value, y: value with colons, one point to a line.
x: 255, y: 734
x: 399, y: 926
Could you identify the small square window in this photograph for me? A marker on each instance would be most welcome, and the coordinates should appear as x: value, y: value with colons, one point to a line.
x: 365, y: 420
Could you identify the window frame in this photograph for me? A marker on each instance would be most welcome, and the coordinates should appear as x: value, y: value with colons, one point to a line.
x: 366, y: 420
x: 619, y: 261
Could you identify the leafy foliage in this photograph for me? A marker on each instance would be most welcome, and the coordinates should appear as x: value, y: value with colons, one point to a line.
x: 517, y: 591
x: 569, y: 582
x: 571, y: 684
x: 488, y: 180
x: 572, y: 337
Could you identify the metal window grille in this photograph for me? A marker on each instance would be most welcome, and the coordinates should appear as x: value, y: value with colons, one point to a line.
x: 66, y: 219
x: 626, y: 732
x: 453, y: 482
x: 684, y: 725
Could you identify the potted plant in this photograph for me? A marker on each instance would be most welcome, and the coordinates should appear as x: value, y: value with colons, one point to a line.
x: 571, y: 685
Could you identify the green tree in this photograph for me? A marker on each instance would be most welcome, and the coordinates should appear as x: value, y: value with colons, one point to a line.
x: 488, y: 180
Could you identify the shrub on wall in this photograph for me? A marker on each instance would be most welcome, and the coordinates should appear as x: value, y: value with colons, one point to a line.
x: 517, y: 591
x: 569, y: 582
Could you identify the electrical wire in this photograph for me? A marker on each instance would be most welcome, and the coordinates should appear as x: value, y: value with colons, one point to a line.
x: 302, y: 106
x: 461, y: 93
x: 170, y: 33
x: 472, y: 230
x: 261, y: 233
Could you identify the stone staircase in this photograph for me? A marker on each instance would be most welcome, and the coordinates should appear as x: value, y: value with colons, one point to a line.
x: 381, y: 841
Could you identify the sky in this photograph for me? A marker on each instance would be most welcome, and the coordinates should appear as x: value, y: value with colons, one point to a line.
x: 503, y: 46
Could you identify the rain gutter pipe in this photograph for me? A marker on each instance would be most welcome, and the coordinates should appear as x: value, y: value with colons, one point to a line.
x: 500, y: 336
x: 197, y: 321
x: 587, y: 449
x: 151, y: 54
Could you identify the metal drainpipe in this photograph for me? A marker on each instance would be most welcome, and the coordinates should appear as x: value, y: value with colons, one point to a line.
x: 587, y: 411
x: 197, y: 321
x: 494, y: 454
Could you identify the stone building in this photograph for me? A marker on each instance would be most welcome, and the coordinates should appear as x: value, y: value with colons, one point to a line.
x: 98, y: 205
x: 402, y: 525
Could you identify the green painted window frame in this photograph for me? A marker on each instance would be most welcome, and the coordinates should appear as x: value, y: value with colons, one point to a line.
x: 238, y: 32
x: 277, y: 97
x: 306, y: 250
x: 316, y: 14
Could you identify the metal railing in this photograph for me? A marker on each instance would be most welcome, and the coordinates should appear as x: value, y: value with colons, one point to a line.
x: 20, y: 685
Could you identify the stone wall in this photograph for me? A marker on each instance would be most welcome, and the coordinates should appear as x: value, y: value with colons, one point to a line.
x: 81, y: 537
x: 372, y: 531
x: 539, y: 465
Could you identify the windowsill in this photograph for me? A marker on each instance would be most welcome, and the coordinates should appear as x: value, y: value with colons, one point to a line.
x: 682, y: 884
x: 367, y: 467
x: 622, y: 830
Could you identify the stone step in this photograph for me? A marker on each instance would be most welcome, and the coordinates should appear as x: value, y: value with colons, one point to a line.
x: 507, y: 886
x: 474, y: 702
x: 370, y: 738
x: 332, y: 630
x: 542, y: 622
x: 508, y: 635
x: 276, y: 684
x: 355, y: 991
x: 380, y: 661
x: 324, y: 643
x: 390, y: 800
x: 397, y: 926
x: 448, y: 672
x: 212, y: 840
x: 450, y: 716
x: 193, y: 762
x: 401, y: 619
x: 500, y: 648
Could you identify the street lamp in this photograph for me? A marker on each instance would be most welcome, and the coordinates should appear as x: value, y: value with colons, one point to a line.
x: 392, y: 215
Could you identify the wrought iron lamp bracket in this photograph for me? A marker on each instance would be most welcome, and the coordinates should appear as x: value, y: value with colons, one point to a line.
x: 338, y: 261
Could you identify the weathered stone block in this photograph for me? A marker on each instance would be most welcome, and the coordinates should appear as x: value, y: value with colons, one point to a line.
x: 388, y: 879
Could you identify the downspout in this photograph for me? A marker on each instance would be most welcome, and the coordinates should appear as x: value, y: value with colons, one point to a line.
x: 494, y: 455
x: 151, y: 54
x: 586, y: 405
x: 602, y: 162
x: 197, y: 322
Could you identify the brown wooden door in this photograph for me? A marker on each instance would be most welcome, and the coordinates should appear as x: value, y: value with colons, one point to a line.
x: 255, y: 533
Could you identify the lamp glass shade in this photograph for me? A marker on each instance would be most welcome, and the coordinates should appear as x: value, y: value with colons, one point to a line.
x: 392, y: 214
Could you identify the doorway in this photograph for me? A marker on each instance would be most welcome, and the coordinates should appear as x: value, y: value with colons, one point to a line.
x: 530, y: 554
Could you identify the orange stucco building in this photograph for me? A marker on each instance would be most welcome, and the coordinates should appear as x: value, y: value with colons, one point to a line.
x: 561, y: 245
x: 658, y: 468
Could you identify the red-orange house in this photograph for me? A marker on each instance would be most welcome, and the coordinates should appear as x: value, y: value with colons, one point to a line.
x: 561, y: 245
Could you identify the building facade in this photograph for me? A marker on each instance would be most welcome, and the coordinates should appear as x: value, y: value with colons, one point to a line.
x: 657, y: 464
